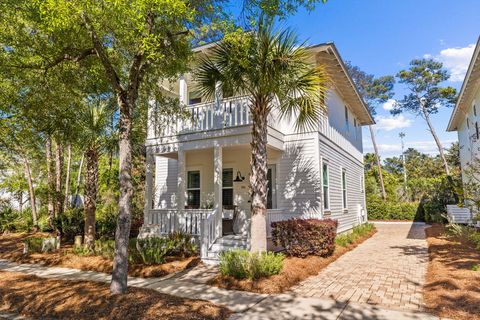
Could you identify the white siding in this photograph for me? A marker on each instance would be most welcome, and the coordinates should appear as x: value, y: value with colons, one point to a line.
x: 165, y: 187
x: 338, y: 159
x: 298, y: 177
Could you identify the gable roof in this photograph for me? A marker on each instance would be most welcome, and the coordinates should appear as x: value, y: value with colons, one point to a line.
x: 328, y: 55
x: 470, y: 84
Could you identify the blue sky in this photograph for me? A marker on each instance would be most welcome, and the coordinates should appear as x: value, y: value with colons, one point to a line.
x: 382, y: 36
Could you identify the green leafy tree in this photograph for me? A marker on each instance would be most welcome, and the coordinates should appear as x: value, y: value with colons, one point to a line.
x: 271, y: 68
x: 373, y: 91
x: 426, y: 96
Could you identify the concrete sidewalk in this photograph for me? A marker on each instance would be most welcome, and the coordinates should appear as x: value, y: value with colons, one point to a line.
x: 290, y: 307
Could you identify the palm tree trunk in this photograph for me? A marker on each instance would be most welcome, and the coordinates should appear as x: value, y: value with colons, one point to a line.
x: 31, y: 192
x: 66, y: 201
x: 79, y: 178
x: 437, y: 141
x: 122, y: 233
x: 50, y: 181
x: 90, y: 195
x: 258, y: 179
x: 58, y: 177
x: 379, y: 165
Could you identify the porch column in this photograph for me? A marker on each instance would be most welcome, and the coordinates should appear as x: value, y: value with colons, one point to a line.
x: 183, y: 90
x: 149, y: 167
x: 217, y: 187
x: 180, y: 184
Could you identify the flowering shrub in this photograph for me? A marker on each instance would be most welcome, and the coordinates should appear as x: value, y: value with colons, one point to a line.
x: 304, y: 237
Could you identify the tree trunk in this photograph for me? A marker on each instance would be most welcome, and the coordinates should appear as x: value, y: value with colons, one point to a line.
x: 79, y: 178
x: 437, y: 141
x: 31, y: 192
x: 66, y: 201
x: 50, y: 182
x: 90, y: 197
x: 122, y: 233
x: 58, y: 177
x: 258, y: 178
x: 379, y: 165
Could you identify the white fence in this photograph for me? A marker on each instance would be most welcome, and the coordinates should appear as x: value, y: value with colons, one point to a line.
x: 458, y: 214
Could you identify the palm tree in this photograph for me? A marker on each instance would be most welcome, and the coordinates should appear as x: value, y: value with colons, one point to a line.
x: 94, y: 119
x: 272, y: 68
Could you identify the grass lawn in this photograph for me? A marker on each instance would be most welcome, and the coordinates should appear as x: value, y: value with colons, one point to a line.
x: 11, y: 248
x: 452, y: 287
x: 42, y: 298
x: 294, y: 269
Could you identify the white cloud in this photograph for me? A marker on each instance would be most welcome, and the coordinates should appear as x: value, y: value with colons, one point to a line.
x: 389, y: 104
x: 392, y: 122
x: 455, y: 60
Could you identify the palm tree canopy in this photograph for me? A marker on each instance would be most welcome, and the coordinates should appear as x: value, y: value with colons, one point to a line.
x: 272, y: 68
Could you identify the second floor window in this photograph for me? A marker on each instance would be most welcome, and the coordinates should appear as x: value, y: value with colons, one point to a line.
x: 193, y: 189
x: 326, y: 186
x: 347, y: 125
x: 344, y: 188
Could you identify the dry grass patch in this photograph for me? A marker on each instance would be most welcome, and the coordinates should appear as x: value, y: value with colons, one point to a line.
x: 11, y: 248
x: 452, y: 288
x: 41, y: 298
x: 294, y: 271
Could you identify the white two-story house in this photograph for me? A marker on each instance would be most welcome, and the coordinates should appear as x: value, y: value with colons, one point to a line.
x: 198, y: 169
x: 465, y: 118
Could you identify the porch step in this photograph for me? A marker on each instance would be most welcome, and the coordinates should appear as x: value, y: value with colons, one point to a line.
x: 225, y: 243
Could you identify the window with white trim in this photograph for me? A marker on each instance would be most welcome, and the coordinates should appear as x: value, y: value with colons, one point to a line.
x: 326, y: 186
x: 227, y: 187
x: 344, y: 188
x: 271, y: 187
x: 193, y: 189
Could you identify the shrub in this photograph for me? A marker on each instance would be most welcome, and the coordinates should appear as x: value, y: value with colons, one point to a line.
x: 345, y: 239
x: 474, y: 237
x: 34, y: 244
x: 378, y: 209
x: 242, y: 264
x: 304, y: 237
x: 70, y: 223
x: 183, y: 245
x: 14, y: 220
x: 153, y: 250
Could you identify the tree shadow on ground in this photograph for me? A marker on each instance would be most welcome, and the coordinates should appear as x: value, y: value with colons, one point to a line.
x: 59, y: 299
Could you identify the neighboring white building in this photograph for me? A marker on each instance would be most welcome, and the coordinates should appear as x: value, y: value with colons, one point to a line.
x: 465, y: 118
x: 198, y: 170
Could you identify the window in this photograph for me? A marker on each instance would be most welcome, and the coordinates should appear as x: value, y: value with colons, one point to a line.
x: 227, y: 187
x: 475, y: 110
x: 362, y: 182
x: 468, y: 124
x: 271, y: 187
x: 344, y: 188
x: 347, y: 126
x: 476, y: 128
x: 193, y: 189
x: 326, y: 186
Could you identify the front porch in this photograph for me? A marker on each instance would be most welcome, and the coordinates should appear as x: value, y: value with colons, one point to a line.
x: 205, y: 193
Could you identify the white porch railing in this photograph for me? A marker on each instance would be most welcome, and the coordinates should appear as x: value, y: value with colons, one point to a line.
x: 334, y: 135
x: 210, y: 231
x: 232, y: 112
x: 171, y: 220
x: 274, y: 215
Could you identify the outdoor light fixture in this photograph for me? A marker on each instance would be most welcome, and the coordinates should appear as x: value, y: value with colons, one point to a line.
x: 239, y: 177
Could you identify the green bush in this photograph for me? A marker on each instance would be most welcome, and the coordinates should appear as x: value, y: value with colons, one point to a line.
x: 243, y: 264
x: 390, y: 210
x: 474, y: 237
x: 152, y: 250
x: 14, y: 220
x: 71, y: 223
x: 345, y: 239
x: 34, y: 244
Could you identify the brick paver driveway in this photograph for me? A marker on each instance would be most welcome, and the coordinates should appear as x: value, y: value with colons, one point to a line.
x: 387, y: 269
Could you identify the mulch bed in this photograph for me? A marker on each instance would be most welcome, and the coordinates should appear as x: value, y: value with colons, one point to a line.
x: 452, y: 289
x: 294, y: 271
x: 11, y: 248
x: 41, y: 298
